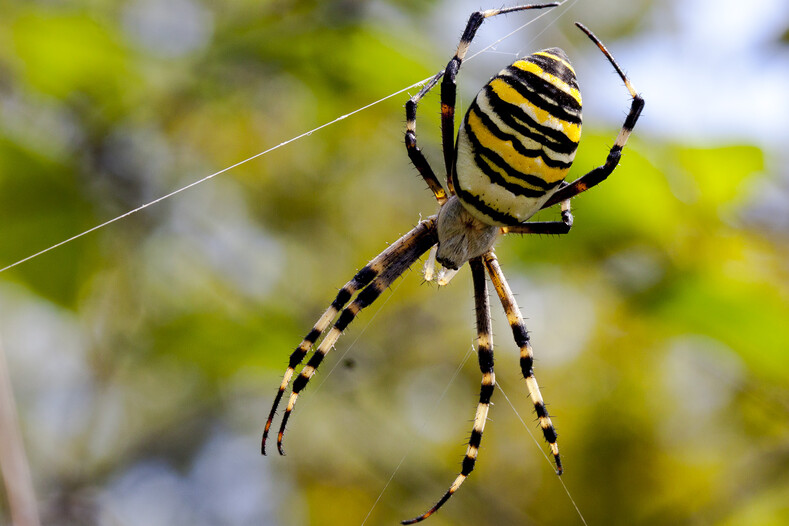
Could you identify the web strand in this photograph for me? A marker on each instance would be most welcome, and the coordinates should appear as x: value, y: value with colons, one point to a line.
x: 208, y: 177
x: 421, y: 428
x: 261, y: 154
x: 547, y: 459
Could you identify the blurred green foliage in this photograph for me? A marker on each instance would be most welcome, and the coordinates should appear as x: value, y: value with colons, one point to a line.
x: 140, y: 351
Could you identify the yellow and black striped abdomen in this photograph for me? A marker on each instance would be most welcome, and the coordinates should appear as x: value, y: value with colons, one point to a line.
x: 518, y: 139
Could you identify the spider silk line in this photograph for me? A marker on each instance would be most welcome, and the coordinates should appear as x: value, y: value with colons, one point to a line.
x: 548, y: 460
x: 422, y: 427
x: 521, y: 28
x: 264, y: 152
x: 207, y: 177
x: 434, y: 408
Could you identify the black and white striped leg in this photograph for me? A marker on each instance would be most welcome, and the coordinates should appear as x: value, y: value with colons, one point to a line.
x: 360, y: 280
x: 600, y: 173
x: 403, y: 254
x: 485, y: 355
x: 521, y: 336
x: 414, y: 153
x: 449, y: 87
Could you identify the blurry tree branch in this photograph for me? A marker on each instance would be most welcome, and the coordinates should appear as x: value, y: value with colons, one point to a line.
x: 13, y: 461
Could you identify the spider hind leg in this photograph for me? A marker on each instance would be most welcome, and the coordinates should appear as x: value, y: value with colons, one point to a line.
x: 373, y: 279
x: 522, y: 340
x: 485, y: 355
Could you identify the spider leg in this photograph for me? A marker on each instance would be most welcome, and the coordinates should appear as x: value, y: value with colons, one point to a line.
x: 544, y: 227
x: 398, y: 258
x: 449, y: 86
x: 360, y: 280
x: 414, y: 153
x: 526, y: 356
x: 485, y: 354
x: 600, y: 173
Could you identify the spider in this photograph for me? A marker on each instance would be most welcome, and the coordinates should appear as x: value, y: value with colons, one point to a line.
x: 508, y: 160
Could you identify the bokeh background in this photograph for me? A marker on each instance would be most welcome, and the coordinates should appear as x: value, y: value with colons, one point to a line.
x: 144, y: 356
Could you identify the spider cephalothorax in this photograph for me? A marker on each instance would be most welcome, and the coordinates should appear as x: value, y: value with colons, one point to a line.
x: 509, y: 159
x: 461, y: 236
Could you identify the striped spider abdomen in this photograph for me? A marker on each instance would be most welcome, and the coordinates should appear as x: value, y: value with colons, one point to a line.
x: 518, y: 139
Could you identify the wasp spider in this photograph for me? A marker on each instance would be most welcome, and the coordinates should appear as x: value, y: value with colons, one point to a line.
x: 514, y: 147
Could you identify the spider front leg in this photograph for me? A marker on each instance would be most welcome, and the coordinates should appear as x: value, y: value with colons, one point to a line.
x: 522, y: 340
x: 485, y: 355
x: 449, y: 86
x: 414, y: 153
x: 600, y: 173
x: 448, y: 97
